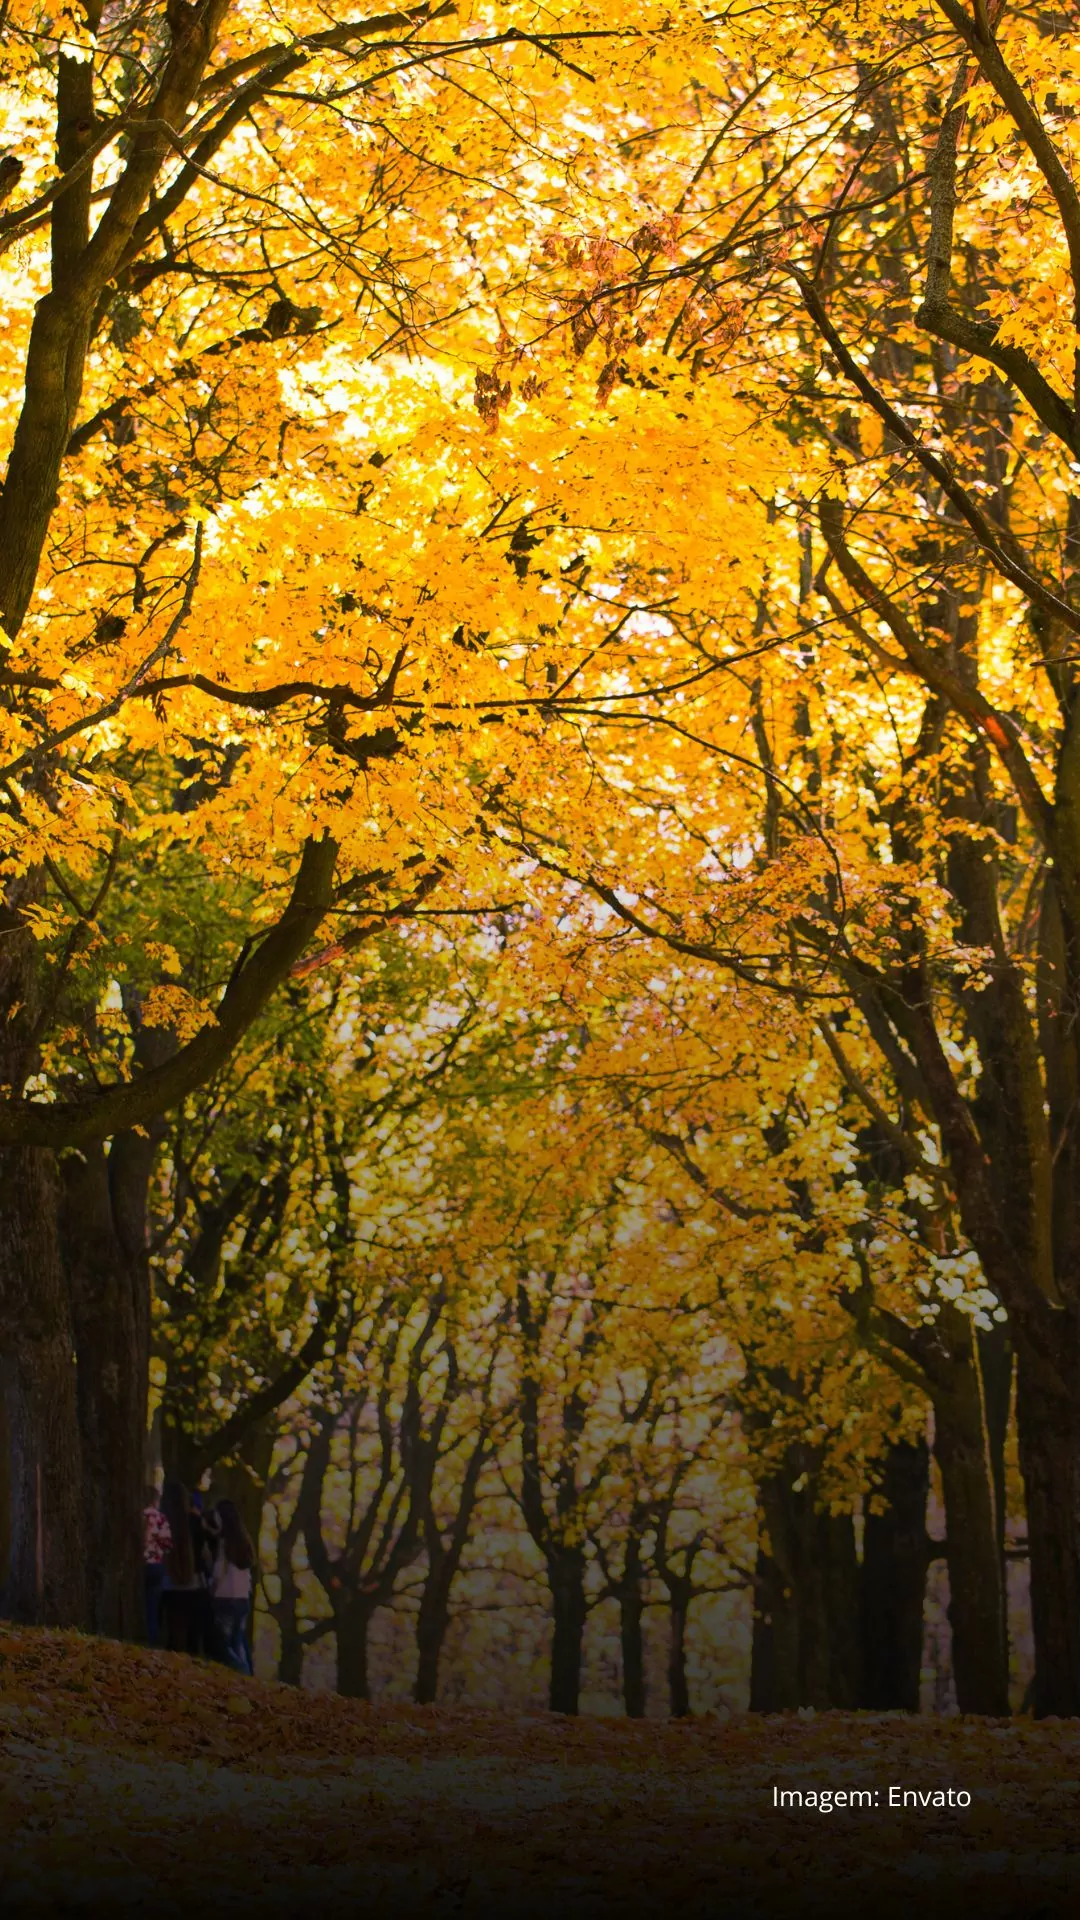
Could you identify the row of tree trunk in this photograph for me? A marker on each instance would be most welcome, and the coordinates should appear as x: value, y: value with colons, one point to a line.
x: 829, y: 1630
x: 75, y: 1288
x: 833, y: 1629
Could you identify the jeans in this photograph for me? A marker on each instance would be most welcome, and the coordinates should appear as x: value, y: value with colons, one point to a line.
x: 231, y: 1617
x: 153, y: 1575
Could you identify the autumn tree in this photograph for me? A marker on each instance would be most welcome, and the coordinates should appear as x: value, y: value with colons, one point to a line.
x: 215, y: 499
x: 970, y: 603
x: 345, y: 581
x: 684, y: 1532
x: 900, y: 698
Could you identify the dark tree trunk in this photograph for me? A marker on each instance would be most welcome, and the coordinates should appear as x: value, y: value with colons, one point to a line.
x: 433, y: 1617
x: 5, y: 1491
x: 806, y: 1629
x: 566, y: 1576
x: 352, y: 1621
x: 46, y: 1573
x: 631, y: 1611
x: 893, y: 1582
x: 1048, y: 1419
x: 431, y: 1627
x: 104, y: 1244
x: 837, y: 1609
x: 980, y: 1649
x: 680, y: 1597
x: 286, y: 1609
x: 972, y: 1483
x: 444, y: 1557
x: 290, y: 1668
x: 180, y: 1455
x: 994, y: 1352
x: 769, y: 1658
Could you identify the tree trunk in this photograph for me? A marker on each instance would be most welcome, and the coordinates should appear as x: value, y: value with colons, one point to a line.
x: 180, y: 1457
x: 46, y: 1574
x: 444, y: 1557
x: 286, y: 1609
x: 977, y: 1599
x: 994, y: 1351
x: 351, y: 1623
x: 1048, y: 1420
x: 806, y: 1629
x: 568, y: 1612
x: 104, y: 1245
x: 290, y: 1670
x: 431, y: 1625
x: 631, y: 1610
x: 5, y: 1491
x: 892, y: 1586
x: 770, y: 1658
x: 837, y: 1604
x: 678, y: 1688
x: 433, y: 1617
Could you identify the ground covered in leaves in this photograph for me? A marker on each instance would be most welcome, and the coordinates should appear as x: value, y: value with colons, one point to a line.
x: 133, y: 1781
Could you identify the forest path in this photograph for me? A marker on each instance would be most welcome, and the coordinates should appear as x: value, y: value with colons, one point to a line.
x: 137, y: 1782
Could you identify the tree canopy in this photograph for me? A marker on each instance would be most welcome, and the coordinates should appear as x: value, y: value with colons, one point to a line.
x: 540, y: 815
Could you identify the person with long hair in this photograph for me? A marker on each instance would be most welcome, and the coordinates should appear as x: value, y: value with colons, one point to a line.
x: 231, y: 1585
x: 183, y: 1586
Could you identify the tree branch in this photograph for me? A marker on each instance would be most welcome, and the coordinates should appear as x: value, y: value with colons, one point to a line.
x: 106, y: 1111
x: 964, y: 698
x: 942, y: 319
x: 993, y: 540
x: 977, y: 35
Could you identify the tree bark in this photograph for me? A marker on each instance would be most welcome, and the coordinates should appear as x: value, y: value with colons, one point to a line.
x: 631, y: 1637
x: 103, y: 1237
x: 5, y: 1491
x: 892, y: 1586
x: 994, y: 1353
x: 290, y: 1669
x: 566, y: 1576
x: 806, y: 1650
x: 46, y: 1581
x: 967, y: 1373
x: 978, y: 1612
x: 678, y: 1685
x: 352, y: 1621
x: 432, y: 1623
x: 769, y: 1660
x: 444, y: 1556
x: 837, y: 1616
x: 286, y: 1609
x: 1048, y: 1419
x: 82, y: 266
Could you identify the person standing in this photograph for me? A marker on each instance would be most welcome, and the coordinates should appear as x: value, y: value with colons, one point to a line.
x: 157, y: 1539
x: 232, y: 1586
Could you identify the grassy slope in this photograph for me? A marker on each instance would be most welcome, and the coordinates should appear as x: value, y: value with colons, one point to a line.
x: 133, y: 1781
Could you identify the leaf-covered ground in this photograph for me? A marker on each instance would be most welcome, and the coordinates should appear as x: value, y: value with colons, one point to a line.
x: 140, y: 1782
